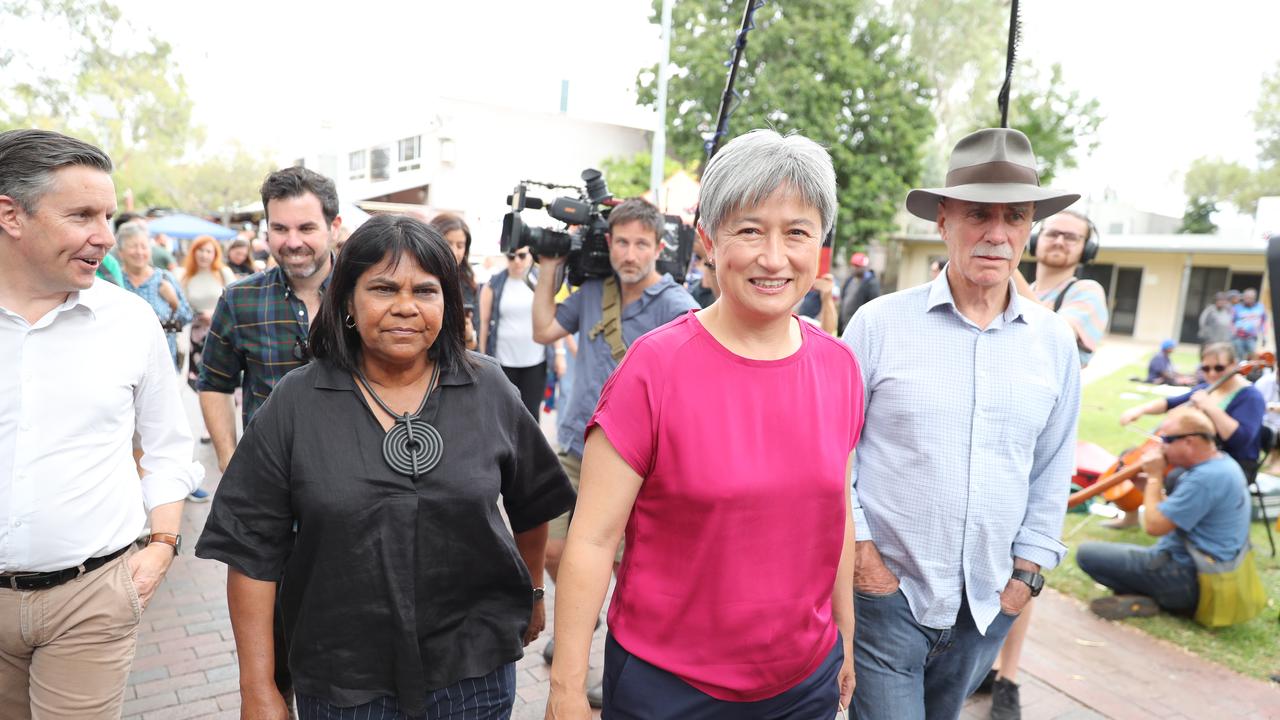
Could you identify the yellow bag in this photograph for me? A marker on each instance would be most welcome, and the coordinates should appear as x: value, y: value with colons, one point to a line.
x: 1231, y: 591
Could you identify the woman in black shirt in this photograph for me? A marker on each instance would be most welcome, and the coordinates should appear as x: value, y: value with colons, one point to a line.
x: 403, y: 592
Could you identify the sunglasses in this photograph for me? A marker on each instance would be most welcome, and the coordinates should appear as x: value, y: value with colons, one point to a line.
x: 302, y: 351
x: 1214, y: 368
x: 1170, y: 439
x: 518, y: 256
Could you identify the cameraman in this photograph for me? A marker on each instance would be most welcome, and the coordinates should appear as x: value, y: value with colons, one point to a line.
x: 607, y: 315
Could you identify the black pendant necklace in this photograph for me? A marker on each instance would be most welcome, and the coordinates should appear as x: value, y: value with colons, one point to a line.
x: 412, y: 446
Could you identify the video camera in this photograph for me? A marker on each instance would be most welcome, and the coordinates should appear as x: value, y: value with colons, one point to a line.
x: 586, y: 245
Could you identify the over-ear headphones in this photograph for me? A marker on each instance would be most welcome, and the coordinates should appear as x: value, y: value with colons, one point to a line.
x: 1090, y: 244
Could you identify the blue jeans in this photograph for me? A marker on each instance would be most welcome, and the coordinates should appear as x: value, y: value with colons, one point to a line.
x: 909, y: 672
x: 1244, y: 346
x: 1135, y: 570
x: 490, y: 697
x: 636, y: 690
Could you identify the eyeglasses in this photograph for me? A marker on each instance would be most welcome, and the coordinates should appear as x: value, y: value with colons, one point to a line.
x: 302, y: 351
x: 1067, y: 237
x: 1214, y: 368
x: 1170, y: 439
x: 518, y: 256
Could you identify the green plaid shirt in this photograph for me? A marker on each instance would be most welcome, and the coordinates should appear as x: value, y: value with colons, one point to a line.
x: 259, y: 329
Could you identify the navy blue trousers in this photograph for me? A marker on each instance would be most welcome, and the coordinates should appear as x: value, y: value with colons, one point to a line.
x: 484, y: 698
x: 636, y: 690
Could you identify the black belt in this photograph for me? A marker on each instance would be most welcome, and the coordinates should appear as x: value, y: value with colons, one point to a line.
x: 44, y: 580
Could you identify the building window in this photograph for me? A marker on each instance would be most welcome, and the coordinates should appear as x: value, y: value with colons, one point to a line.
x: 379, y: 160
x: 358, y: 163
x: 410, y: 155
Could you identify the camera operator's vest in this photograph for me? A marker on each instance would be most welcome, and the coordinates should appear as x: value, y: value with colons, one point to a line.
x: 610, y: 324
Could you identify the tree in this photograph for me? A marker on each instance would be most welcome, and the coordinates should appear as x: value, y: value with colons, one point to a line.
x: 1198, y: 217
x: 104, y: 81
x: 833, y: 70
x: 1218, y: 181
x: 629, y: 176
x: 216, y: 186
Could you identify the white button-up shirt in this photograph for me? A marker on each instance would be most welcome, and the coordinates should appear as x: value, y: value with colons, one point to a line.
x: 966, y: 457
x: 73, y: 387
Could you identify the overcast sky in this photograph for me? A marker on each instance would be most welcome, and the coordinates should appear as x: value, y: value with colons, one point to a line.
x: 1176, y: 79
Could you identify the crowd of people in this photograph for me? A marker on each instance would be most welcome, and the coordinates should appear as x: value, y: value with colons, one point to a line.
x: 730, y: 445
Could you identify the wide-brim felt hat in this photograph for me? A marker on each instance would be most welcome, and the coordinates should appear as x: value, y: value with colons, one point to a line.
x: 995, y: 165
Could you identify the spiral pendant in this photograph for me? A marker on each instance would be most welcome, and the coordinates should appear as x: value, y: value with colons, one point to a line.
x: 412, y: 448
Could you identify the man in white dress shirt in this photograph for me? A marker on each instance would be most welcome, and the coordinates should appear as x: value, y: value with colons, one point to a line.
x: 83, y: 364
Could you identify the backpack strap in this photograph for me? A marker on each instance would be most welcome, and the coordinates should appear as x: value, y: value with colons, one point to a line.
x: 1062, y: 296
x: 610, y: 324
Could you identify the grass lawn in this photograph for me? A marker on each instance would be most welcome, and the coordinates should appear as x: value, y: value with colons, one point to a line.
x: 1252, y: 648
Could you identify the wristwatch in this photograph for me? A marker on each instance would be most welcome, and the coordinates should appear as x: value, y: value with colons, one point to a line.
x: 539, y: 593
x: 173, y: 541
x: 1034, y: 580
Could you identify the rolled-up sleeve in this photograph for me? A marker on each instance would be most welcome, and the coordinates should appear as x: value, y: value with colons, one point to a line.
x: 1052, y: 466
x: 169, y: 470
x: 250, y: 525
x: 569, y: 312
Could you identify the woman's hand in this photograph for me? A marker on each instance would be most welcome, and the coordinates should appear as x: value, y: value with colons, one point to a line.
x: 1130, y: 415
x: 846, y: 679
x: 537, y: 622
x: 262, y: 704
x: 562, y: 366
x: 1201, y: 400
x: 566, y: 705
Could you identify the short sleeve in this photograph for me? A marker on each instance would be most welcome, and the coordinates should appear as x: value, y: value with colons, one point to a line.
x: 250, y: 524
x: 535, y: 488
x: 627, y: 411
x: 1085, y: 309
x: 221, y: 362
x: 569, y: 312
x: 1190, y: 501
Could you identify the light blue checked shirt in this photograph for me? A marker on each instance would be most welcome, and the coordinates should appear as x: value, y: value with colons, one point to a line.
x: 966, y: 457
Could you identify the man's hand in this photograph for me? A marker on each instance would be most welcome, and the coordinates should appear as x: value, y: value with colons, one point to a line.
x: 265, y: 703
x: 872, y: 576
x: 825, y: 285
x: 1016, y: 595
x: 537, y: 622
x: 147, y: 568
x: 1153, y: 463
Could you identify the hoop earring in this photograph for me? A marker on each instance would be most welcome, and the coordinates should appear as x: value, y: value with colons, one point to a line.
x: 350, y: 322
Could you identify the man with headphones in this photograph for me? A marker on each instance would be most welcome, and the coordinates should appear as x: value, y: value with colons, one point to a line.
x: 1064, y: 242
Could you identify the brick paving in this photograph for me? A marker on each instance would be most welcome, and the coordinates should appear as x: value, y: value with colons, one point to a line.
x: 1075, y: 666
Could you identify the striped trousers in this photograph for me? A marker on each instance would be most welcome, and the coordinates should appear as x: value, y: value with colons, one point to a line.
x: 484, y: 698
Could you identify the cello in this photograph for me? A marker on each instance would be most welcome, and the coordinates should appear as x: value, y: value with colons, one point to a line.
x: 1116, y: 484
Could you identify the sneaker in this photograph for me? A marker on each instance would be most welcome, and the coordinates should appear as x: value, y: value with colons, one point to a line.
x: 1005, y: 704
x: 1118, y: 607
x: 199, y: 495
x: 984, y: 687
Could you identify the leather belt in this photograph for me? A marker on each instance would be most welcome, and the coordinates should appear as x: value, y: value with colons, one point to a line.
x: 45, y: 580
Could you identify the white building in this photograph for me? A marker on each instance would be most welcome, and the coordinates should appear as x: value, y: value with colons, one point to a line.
x: 464, y: 156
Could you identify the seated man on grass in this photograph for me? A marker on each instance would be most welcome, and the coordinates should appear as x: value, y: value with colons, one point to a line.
x: 1208, y: 507
x: 1160, y: 371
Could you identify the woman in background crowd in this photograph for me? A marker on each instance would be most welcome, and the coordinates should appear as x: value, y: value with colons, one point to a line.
x: 157, y: 286
x: 238, y: 258
x: 455, y: 232
x: 506, y: 329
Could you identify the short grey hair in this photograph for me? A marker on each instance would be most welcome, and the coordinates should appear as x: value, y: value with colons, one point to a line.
x: 129, y: 231
x: 753, y: 166
x: 28, y: 159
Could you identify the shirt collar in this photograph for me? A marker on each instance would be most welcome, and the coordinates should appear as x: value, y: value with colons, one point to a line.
x: 329, y: 376
x: 940, y: 294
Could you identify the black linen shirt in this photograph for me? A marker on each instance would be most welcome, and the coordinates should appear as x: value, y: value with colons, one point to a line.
x: 390, y: 588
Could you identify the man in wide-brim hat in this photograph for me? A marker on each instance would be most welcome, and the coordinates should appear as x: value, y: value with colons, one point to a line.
x: 963, y: 467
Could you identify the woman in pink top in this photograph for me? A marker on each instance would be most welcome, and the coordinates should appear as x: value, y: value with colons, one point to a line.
x: 721, y: 447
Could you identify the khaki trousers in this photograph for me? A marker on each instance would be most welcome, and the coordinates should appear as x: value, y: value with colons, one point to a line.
x: 66, y: 651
